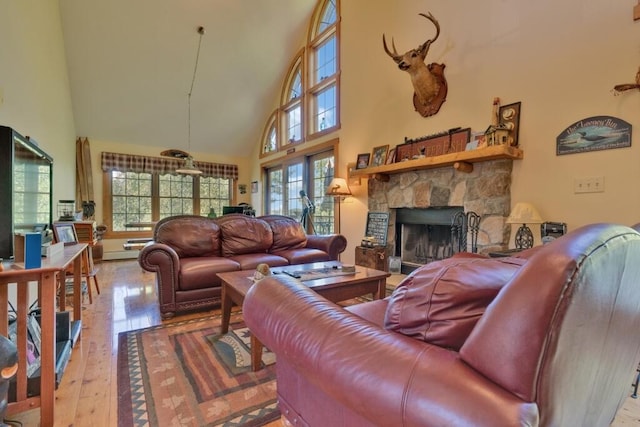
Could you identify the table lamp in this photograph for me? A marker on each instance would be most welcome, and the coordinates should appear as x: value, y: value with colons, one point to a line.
x: 524, y: 213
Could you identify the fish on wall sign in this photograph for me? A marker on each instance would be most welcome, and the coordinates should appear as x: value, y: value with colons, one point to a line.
x: 594, y: 133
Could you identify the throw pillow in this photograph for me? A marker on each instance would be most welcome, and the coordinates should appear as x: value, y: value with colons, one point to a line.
x: 441, y: 302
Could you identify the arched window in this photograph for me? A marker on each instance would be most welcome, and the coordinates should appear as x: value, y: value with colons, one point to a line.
x: 292, y: 104
x: 323, y: 60
x: 270, y: 135
x: 309, y: 103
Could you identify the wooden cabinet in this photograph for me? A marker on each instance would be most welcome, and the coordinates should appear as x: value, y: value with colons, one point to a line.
x: 375, y: 258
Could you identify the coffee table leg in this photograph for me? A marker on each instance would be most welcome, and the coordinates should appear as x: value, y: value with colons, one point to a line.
x: 256, y: 353
x: 382, y: 289
x: 226, y: 308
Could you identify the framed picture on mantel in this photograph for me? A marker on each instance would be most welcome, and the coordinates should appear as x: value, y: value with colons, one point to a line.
x: 363, y: 160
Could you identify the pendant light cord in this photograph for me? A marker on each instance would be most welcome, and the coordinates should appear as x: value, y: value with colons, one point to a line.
x: 201, y: 31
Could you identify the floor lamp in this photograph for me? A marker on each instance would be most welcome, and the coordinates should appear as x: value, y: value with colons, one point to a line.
x: 339, y: 190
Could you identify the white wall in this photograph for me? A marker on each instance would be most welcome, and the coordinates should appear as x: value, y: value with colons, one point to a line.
x: 34, y: 85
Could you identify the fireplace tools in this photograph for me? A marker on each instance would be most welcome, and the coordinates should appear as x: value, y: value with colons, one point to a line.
x: 461, y: 224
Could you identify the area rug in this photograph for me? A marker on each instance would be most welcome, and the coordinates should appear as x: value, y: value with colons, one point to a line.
x: 188, y: 374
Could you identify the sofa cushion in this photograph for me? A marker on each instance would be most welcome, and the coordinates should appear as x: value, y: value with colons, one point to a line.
x: 251, y: 261
x: 441, y: 302
x: 200, y: 272
x: 242, y: 234
x: 287, y: 233
x: 189, y: 235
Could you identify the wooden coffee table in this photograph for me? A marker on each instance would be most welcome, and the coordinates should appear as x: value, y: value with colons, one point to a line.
x: 335, y: 288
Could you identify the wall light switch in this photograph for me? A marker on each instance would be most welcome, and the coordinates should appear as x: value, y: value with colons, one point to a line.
x: 593, y: 184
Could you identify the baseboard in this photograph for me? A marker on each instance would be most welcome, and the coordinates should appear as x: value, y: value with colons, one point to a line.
x: 115, y: 255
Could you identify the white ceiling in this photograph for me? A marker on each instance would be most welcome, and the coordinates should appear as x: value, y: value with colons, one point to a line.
x: 131, y: 63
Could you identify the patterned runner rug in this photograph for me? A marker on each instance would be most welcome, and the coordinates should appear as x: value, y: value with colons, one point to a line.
x: 188, y: 374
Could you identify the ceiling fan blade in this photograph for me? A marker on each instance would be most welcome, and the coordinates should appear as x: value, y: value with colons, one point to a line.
x: 178, y: 154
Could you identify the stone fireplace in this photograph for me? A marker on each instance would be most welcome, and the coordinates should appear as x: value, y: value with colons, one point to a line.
x: 441, y: 192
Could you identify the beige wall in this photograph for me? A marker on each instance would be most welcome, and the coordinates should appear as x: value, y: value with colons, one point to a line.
x: 560, y: 59
x: 34, y: 85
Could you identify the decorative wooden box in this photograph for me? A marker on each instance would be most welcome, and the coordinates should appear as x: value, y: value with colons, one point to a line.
x: 375, y: 258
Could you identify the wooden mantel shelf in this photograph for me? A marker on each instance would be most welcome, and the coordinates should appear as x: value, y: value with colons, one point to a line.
x: 462, y: 161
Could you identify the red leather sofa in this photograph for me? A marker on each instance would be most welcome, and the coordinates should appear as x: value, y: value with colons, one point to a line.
x: 557, y: 345
x: 188, y: 251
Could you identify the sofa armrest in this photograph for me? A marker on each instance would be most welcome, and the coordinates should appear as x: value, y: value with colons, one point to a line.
x: 164, y: 261
x: 386, y: 377
x: 333, y: 244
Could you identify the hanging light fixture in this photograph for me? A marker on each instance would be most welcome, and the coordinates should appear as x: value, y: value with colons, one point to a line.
x: 188, y: 166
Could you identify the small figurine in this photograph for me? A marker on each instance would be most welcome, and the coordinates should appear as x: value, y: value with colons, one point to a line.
x: 262, y: 271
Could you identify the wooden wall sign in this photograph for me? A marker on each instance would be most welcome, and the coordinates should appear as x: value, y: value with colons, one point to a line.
x: 594, y: 133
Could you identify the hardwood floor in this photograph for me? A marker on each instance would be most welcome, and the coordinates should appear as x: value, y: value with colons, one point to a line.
x: 87, y: 395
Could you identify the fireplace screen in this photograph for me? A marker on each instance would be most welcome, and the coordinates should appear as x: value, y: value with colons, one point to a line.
x: 425, y: 235
x: 424, y: 243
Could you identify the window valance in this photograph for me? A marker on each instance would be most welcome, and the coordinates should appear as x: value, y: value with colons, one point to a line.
x: 161, y: 165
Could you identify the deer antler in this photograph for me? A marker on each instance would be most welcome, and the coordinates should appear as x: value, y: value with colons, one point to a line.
x: 424, y: 48
x: 395, y: 56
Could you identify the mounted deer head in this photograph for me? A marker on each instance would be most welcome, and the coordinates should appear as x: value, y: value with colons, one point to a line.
x: 429, y: 83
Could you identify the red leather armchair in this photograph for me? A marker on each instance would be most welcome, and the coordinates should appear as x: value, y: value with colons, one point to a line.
x: 558, y: 346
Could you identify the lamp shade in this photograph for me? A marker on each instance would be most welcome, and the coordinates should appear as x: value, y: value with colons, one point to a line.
x: 524, y: 213
x: 338, y: 188
x: 188, y: 168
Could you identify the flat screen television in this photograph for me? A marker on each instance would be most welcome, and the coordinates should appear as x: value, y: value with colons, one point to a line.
x: 25, y: 188
x: 232, y: 209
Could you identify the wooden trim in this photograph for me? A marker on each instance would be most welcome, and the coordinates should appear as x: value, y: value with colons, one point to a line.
x: 306, y: 151
x: 471, y: 156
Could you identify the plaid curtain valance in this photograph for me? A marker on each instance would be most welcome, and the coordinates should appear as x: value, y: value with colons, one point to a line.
x: 161, y: 165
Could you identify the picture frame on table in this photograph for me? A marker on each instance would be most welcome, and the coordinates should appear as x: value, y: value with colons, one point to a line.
x: 363, y: 160
x: 65, y: 232
x: 379, y: 155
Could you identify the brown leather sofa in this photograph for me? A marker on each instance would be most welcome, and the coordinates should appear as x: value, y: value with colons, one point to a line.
x: 188, y: 251
x: 557, y: 346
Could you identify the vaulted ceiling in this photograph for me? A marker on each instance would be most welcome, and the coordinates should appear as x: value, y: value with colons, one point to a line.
x: 131, y: 65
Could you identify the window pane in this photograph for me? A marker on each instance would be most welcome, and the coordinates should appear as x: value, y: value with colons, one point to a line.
x: 271, y: 142
x: 214, y: 194
x: 325, y: 59
x: 322, y: 174
x: 296, y: 85
x: 275, y: 205
x: 294, y: 124
x: 294, y: 181
x: 326, y: 108
x: 131, y: 199
x: 176, y: 195
x: 328, y: 17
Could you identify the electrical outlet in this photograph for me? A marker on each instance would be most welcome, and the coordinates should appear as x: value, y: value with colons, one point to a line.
x: 593, y: 184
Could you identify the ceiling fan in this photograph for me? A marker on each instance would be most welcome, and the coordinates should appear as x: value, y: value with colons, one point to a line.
x: 188, y: 167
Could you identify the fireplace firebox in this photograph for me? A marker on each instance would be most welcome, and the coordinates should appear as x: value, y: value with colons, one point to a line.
x: 425, y: 235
